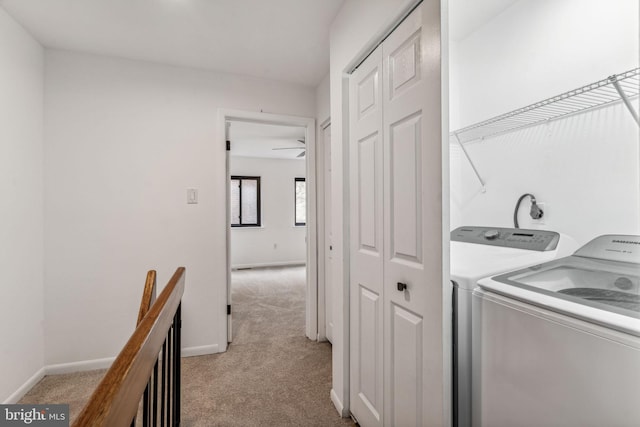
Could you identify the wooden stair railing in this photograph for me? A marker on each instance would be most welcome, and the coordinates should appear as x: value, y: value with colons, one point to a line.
x: 148, y: 295
x: 154, y: 345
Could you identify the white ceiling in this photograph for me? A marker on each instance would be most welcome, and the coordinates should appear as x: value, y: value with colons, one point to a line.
x: 259, y: 140
x: 286, y: 40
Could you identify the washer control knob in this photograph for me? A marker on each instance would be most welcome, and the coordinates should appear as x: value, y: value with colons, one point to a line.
x: 491, y: 234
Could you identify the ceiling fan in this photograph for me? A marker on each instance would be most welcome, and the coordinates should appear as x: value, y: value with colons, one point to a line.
x: 303, y: 148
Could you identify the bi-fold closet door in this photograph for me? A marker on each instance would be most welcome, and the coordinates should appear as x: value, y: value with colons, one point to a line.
x: 395, y: 158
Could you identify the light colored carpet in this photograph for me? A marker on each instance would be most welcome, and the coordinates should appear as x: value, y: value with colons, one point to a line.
x: 271, y: 375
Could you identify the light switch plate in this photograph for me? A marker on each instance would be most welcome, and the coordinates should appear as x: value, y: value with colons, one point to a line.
x: 192, y: 196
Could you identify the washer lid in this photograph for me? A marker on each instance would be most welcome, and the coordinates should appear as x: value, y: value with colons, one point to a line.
x: 598, y: 290
x: 605, y: 285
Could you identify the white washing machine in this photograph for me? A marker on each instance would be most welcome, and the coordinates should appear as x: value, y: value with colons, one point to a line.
x: 476, y: 253
x: 558, y: 344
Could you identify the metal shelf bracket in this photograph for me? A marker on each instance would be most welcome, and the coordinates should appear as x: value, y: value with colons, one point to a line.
x: 614, y: 80
x: 473, y: 166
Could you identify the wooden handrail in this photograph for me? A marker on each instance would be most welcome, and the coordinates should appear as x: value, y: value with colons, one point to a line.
x: 115, y: 401
x: 148, y: 295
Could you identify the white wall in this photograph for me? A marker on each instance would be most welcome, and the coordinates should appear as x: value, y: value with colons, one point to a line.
x: 356, y: 26
x: 254, y: 246
x: 124, y: 140
x: 584, y: 168
x: 21, y: 208
x: 323, y: 104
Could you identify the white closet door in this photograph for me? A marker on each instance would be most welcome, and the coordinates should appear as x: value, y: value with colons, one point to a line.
x: 366, y: 252
x: 413, y: 349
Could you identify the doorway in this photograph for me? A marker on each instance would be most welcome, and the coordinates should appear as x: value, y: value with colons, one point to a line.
x: 249, y: 189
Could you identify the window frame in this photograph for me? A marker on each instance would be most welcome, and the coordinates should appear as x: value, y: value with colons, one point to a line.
x: 240, y: 178
x: 295, y: 205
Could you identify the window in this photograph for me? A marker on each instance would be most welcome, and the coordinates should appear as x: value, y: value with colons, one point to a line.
x: 245, y: 201
x: 301, y: 201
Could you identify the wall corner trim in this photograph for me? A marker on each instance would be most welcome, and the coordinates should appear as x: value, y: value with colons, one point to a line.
x: 338, y: 404
x: 200, y: 350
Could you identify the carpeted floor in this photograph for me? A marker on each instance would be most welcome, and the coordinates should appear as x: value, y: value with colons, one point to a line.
x: 271, y: 375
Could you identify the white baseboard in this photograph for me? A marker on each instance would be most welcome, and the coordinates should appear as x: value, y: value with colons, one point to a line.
x: 28, y: 385
x: 338, y: 404
x: 83, y: 365
x: 268, y: 264
x: 200, y: 351
x: 90, y: 365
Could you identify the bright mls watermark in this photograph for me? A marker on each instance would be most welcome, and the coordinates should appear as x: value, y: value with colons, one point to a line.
x: 34, y: 415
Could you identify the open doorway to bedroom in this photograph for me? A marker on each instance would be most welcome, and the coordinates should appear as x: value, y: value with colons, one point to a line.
x: 271, y: 287
x: 267, y: 204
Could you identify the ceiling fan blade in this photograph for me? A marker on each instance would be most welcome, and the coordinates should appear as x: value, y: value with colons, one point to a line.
x: 301, y: 154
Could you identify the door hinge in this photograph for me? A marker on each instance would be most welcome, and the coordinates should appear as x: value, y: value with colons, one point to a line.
x: 228, y: 310
x: 228, y: 145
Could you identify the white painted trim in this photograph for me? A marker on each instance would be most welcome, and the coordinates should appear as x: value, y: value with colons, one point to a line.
x: 269, y: 264
x: 227, y: 203
x: 344, y: 358
x: 311, y: 309
x: 200, y: 350
x: 321, y: 222
x: 91, y: 365
x: 24, y: 388
x: 338, y: 404
x: 81, y: 366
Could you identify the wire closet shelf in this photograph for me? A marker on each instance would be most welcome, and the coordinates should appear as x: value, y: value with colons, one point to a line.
x: 618, y: 87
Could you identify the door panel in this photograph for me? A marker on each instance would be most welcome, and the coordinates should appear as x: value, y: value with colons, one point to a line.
x: 366, y: 252
x: 368, y: 234
x: 405, y: 139
x: 413, y: 348
x: 370, y: 336
x: 406, y: 368
x: 404, y: 69
x: 368, y: 100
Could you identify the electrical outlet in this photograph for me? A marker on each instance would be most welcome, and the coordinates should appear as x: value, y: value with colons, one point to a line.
x: 545, y: 215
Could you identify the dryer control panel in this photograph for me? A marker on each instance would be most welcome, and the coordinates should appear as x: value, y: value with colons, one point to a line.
x: 517, y: 238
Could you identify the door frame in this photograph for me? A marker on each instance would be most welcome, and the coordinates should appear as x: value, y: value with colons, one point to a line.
x: 321, y: 185
x: 311, y: 301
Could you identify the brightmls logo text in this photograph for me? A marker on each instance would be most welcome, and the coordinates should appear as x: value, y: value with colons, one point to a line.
x: 34, y: 415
